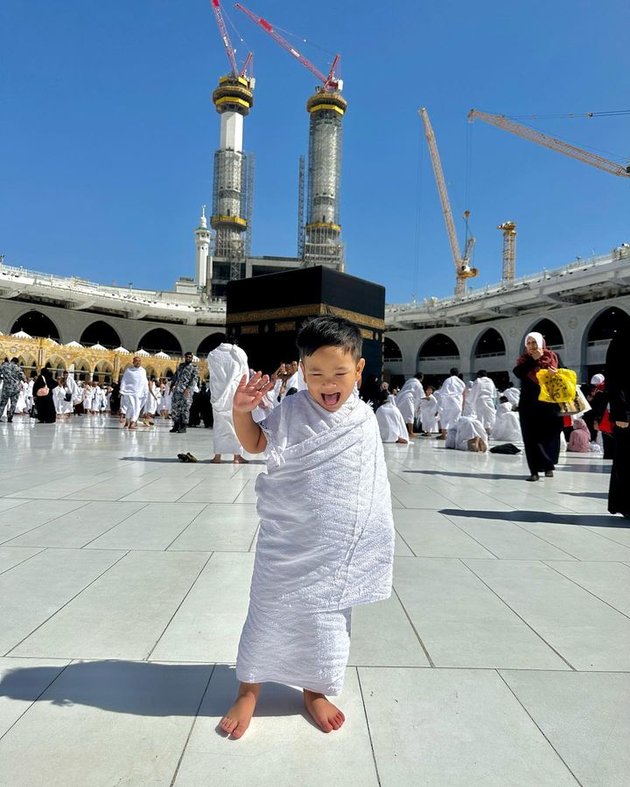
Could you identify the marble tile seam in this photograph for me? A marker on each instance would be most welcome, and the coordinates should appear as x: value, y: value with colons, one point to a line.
x: 178, y: 607
x: 36, y: 699
x: 521, y: 525
x: 47, y: 522
x: 414, y: 629
x: 470, y: 535
x: 367, y: 725
x: 538, y: 727
x: 192, y: 727
x: 21, y: 561
x: 91, y: 540
x: 585, y: 589
x: 63, y: 606
x: 185, y: 528
x: 404, y: 540
x: 605, y: 535
x: 520, y: 617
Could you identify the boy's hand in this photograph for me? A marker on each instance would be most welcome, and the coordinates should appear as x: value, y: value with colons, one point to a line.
x: 249, y: 394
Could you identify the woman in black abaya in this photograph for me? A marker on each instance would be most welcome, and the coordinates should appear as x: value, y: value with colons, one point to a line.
x: 44, y: 405
x: 541, y: 423
x: 618, y: 390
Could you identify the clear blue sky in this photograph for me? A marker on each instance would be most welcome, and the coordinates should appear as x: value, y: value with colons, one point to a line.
x: 107, y: 132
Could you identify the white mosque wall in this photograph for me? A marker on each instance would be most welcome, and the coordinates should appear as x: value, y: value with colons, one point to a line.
x: 71, y: 324
x: 573, y: 322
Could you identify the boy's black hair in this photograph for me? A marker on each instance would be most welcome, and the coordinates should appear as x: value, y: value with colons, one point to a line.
x: 329, y: 331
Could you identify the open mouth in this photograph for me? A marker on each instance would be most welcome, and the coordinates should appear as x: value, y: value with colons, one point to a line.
x: 330, y: 400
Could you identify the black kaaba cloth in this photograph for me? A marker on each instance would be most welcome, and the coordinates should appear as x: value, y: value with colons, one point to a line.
x: 265, y: 313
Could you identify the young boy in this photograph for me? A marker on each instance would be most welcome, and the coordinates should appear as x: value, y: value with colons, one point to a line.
x: 333, y: 547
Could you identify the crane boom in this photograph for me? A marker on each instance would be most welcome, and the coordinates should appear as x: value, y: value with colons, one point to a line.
x: 462, y: 269
x: 229, y: 49
x: 330, y: 82
x: 501, y: 121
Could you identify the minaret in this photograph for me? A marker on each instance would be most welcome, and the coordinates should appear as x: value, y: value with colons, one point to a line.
x: 233, y: 98
x: 202, y: 243
x: 323, y: 245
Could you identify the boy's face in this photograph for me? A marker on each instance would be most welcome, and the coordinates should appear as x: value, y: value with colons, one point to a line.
x: 330, y: 374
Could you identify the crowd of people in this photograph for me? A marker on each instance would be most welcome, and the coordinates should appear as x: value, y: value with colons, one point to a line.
x: 332, y: 549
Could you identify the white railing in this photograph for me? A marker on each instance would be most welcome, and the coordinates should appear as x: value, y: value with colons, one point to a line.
x: 141, y: 297
x: 437, y: 304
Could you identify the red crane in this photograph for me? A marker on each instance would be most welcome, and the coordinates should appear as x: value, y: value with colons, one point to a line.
x: 229, y: 49
x: 330, y: 82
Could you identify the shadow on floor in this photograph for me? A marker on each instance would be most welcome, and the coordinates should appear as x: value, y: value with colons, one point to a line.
x: 144, y: 688
x: 598, y: 495
x: 160, y: 459
x: 589, y: 520
x: 488, y: 476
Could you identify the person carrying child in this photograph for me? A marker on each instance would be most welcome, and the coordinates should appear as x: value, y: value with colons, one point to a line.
x: 333, y: 547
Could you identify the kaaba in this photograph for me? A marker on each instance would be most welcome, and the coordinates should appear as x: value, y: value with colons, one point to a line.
x: 265, y: 313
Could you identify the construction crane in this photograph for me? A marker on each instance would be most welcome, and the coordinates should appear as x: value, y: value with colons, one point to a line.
x: 322, y: 243
x: 330, y: 81
x: 229, y: 49
x: 463, y: 271
x: 509, y: 250
x: 501, y: 121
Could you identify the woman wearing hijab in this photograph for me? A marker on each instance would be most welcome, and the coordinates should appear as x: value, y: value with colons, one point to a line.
x: 45, y: 405
x: 597, y: 397
x: 618, y: 389
x: 540, y: 421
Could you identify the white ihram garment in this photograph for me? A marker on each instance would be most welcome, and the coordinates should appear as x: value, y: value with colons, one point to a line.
x: 513, y: 395
x: 226, y: 365
x: 466, y: 428
x: 450, y: 401
x: 134, y: 389
x: 481, y: 398
x: 429, y: 414
x: 391, y: 424
x: 326, y: 542
x: 408, y: 399
x: 507, y: 427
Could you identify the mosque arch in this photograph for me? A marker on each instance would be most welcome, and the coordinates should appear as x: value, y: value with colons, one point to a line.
x: 605, y: 325
x: 597, y: 335
x: 100, y: 332
x: 104, y: 372
x: 391, y: 351
x: 550, y: 332
x: 438, y: 347
x: 490, y: 343
x: 210, y: 342
x: 160, y: 340
x: 82, y: 369
x: 36, y: 324
x: 28, y: 363
x: 56, y: 365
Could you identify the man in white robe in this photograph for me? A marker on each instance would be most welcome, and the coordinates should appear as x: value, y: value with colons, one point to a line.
x: 507, y: 427
x: 482, y: 398
x: 467, y: 434
x: 408, y: 401
x: 451, y: 401
x: 134, y: 389
x: 227, y: 364
x: 391, y: 424
x: 513, y: 395
x: 429, y: 414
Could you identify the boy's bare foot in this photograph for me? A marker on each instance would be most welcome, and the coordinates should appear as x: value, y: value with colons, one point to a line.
x: 240, y: 460
x: 237, y: 719
x: 326, y: 715
x: 216, y: 459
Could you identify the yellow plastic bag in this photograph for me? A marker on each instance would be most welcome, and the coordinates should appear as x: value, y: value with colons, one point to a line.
x: 557, y: 387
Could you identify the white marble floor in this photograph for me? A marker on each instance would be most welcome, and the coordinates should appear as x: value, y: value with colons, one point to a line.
x: 502, y: 657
